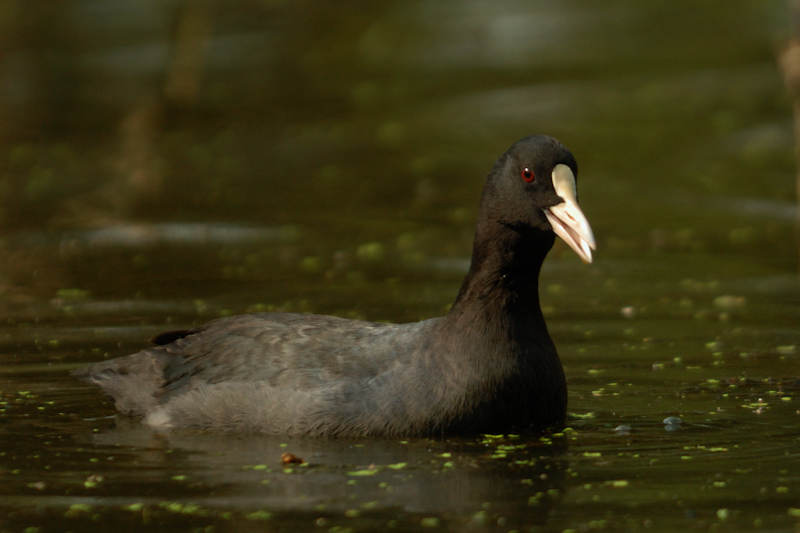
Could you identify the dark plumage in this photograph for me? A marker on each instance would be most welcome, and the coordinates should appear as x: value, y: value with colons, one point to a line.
x: 488, y: 366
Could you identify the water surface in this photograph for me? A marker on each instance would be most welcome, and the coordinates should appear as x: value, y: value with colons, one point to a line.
x: 163, y: 167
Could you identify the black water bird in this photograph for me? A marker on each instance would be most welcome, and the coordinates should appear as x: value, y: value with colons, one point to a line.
x: 489, y: 365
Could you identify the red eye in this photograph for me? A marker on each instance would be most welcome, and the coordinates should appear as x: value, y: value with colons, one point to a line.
x: 527, y: 175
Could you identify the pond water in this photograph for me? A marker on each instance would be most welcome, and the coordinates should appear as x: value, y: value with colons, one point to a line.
x: 166, y: 164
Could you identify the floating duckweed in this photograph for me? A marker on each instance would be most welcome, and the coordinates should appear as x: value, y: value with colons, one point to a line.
x: 311, y: 265
x: 77, y: 509
x: 373, y: 251
x: 481, y: 517
x: 352, y: 513
x: 729, y: 302
x: 397, y: 466
x: 364, y: 472
x: 73, y: 295
x: 259, y: 515
x: 133, y: 507
x: 430, y: 522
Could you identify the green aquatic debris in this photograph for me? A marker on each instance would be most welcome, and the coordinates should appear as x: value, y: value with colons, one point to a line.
x: 93, y: 481
x: 480, y: 518
x: 364, y: 472
x: 397, y: 466
x: 77, y: 509
x: 431, y: 521
x: 189, y: 509
x: 259, y: 515
x: 73, y: 295
x: 256, y: 467
x: 179, y: 477
x: 372, y: 252
x: 133, y: 507
x: 729, y: 302
x: 786, y: 350
x: 311, y: 265
x: 352, y: 513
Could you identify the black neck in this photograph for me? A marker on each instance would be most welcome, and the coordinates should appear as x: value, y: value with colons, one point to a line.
x: 504, y: 272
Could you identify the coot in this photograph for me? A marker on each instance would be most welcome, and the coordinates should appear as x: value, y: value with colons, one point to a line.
x: 488, y: 366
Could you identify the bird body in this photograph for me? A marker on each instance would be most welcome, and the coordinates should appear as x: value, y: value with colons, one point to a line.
x: 489, y: 365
